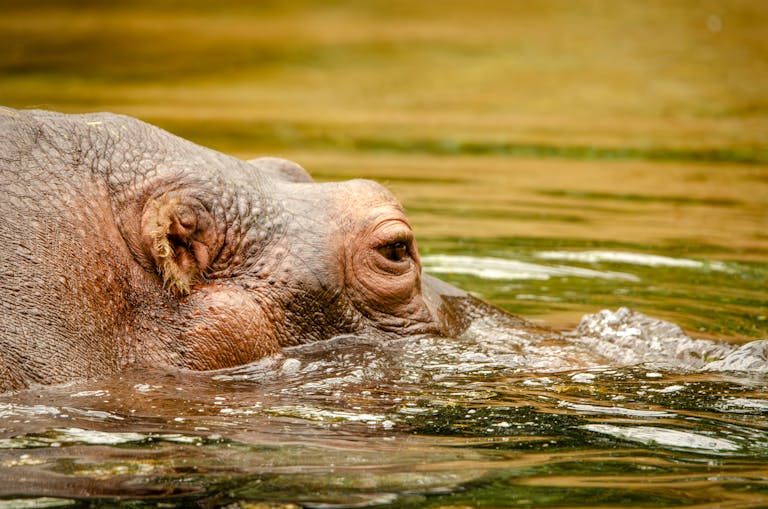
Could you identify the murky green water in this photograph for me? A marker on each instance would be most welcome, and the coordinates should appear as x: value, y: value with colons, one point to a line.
x: 556, y: 158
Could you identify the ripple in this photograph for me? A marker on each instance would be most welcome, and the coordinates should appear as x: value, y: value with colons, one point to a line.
x: 35, y: 503
x: 627, y: 412
x: 319, y: 414
x: 70, y: 436
x: 13, y: 410
x: 744, y: 405
x: 501, y: 268
x: 630, y: 259
x: 650, y: 435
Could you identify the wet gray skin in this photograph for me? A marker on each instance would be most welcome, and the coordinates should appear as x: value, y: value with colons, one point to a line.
x: 123, y: 245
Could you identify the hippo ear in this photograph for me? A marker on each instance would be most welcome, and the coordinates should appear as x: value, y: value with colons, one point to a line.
x: 281, y: 169
x: 179, y: 234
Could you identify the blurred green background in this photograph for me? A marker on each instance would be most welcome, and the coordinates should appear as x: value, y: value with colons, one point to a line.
x: 507, y: 128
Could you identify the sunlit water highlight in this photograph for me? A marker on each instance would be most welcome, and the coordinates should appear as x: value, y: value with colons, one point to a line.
x: 498, y: 268
x: 629, y: 259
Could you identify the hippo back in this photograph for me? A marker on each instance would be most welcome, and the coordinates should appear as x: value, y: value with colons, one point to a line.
x: 58, y: 252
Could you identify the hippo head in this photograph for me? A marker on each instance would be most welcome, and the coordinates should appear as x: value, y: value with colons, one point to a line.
x: 122, y: 244
x: 253, y: 256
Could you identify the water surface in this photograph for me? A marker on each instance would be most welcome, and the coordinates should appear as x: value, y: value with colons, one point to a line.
x: 493, y: 418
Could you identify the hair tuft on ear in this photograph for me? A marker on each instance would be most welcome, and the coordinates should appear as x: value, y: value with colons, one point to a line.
x: 173, y: 260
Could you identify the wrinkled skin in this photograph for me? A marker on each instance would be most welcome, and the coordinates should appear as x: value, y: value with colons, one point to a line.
x: 121, y: 244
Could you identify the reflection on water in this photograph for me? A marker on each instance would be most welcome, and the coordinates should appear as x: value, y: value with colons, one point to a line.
x: 534, y: 280
x: 554, y: 159
x: 500, y: 268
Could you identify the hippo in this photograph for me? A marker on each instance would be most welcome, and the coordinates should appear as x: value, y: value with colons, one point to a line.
x: 124, y: 245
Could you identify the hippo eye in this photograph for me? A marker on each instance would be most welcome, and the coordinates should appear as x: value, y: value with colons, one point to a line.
x: 394, y: 252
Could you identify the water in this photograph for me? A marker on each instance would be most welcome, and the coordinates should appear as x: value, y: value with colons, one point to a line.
x: 492, y: 418
x: 554, y: 159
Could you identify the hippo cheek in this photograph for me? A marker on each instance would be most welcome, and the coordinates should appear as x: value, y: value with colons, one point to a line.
x: 226, y: 326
